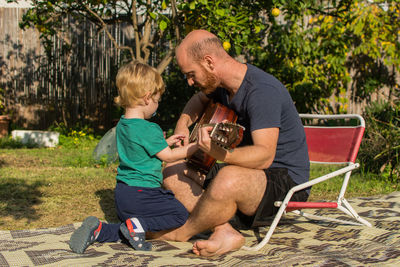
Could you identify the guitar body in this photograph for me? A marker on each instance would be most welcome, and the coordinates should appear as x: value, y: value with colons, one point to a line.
x: 213, y: 114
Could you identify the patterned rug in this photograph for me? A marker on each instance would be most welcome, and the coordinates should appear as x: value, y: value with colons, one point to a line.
x: 296, y: 241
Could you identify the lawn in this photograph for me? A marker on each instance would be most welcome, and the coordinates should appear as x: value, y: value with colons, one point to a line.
x: 50, y: 187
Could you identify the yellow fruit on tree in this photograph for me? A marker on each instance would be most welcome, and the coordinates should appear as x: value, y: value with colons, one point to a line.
x: 226, y: 45
x: 275, y: 12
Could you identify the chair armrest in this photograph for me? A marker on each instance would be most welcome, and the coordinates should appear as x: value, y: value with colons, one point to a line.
x: 299, y: 187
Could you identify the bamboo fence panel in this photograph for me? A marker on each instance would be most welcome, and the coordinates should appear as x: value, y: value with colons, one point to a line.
x: 77, y: 86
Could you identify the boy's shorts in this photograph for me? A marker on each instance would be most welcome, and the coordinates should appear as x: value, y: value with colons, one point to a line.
x: 156, y: 208
x: 278, y: 185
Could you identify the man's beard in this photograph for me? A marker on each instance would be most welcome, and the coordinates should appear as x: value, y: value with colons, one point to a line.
x: 210, y: 84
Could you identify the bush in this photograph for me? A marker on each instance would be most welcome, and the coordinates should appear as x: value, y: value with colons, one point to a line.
x: 380, y: 149
x: 9, y: 143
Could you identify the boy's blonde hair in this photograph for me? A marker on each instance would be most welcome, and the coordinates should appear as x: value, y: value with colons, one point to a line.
x: 134, y: 80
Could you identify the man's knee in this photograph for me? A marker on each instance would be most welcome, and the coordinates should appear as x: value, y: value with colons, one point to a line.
x: 226, y: 183
x: 233, y: 176
x: 245, y: 186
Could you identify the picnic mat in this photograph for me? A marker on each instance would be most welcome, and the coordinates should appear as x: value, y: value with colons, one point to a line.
x: 296, y: 241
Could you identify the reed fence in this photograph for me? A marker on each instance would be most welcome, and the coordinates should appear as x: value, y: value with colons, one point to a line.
x: 75, y: 86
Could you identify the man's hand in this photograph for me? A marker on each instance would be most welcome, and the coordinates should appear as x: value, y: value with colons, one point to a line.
x: 203, y: 138
x: 205, y: 144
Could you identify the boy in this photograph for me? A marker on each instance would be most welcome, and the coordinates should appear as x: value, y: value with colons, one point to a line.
x: 142, y: 205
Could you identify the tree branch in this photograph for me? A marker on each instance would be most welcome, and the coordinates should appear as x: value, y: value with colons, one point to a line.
x: 136, y: 31
x: 145, y: 42
x: 166, y: 60
x: 174, y: 19
x: 104, y: 27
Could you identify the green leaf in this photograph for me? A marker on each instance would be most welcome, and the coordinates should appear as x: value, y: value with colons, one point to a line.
x: 153, y: 15
x: 163, y: 25
x: 192, y: 5
x: 220, y: 12
x: 238, y: 49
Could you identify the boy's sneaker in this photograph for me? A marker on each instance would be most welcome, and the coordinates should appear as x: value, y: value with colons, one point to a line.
x: 136, y: 239
x: 85, y: 235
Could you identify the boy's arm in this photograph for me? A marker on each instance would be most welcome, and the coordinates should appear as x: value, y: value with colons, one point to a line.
x: 174, y: 139
x: 173, y: 154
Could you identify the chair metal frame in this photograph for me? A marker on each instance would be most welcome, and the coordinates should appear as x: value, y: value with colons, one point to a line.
x: 341, y: 203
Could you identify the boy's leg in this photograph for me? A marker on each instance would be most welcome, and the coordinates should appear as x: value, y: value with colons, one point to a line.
x: 155, y: 210
x: 85, y: 235
x: 135, y: 234
x: 91, y: 230
x: 128, y: 202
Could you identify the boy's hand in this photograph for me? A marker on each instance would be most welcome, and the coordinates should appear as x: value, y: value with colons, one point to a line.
x: 185, y: 133
x: 175, y: 139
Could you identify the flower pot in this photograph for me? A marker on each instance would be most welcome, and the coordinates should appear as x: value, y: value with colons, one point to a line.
x: 4, y: 124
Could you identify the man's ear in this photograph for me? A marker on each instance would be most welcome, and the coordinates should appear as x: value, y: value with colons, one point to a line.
x: 209, y: 62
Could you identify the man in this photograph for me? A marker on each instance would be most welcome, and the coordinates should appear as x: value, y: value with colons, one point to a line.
x: 271, y: 159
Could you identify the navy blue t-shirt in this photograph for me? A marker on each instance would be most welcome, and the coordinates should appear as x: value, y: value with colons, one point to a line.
x: 264, y: 102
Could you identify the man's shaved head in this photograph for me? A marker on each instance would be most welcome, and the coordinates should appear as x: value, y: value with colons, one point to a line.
x: 198, y: 43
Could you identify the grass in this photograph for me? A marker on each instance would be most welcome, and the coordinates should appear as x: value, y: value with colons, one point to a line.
x: 50, y: 187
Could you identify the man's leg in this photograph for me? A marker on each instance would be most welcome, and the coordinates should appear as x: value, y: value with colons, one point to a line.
x: 184, y: 182
x: 233, y: 188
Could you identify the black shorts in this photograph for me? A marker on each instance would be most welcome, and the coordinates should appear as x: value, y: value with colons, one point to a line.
x: 278, y: 185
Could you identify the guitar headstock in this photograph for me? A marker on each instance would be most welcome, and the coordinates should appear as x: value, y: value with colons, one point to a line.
x: 227, y: 135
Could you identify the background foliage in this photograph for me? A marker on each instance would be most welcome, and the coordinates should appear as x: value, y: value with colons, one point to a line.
x: 348, y: 49
x: 380, y: 150
x: 330, y: 54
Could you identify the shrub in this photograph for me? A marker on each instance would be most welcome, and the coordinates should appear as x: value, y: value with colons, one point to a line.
x: 9, y: 143
x: 74, y: 137
x: 380, y: 149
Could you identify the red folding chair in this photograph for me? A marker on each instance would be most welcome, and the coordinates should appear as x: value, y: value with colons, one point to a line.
x: 326, y: 145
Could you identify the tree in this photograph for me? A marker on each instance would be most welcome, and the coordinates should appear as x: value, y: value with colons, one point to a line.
x: 154, y: 27
x: 348, y: 49
x: 327, y: 53
x: 155, y: 23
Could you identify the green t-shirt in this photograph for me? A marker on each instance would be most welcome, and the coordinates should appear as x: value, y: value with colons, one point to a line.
x: 138, y: 142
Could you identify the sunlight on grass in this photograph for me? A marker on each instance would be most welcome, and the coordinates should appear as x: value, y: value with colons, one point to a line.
x: 360, y: 184
x: 49, y: 187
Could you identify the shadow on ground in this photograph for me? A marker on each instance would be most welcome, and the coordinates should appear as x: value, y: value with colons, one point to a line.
x: 107, y: 204
x: 2, y: 163
x: 18, y: 198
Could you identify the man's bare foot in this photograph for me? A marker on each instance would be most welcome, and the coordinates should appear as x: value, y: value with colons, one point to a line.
x: 223, y: 240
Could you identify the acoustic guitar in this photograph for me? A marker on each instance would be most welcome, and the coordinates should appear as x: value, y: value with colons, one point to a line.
x: 225, y: 133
